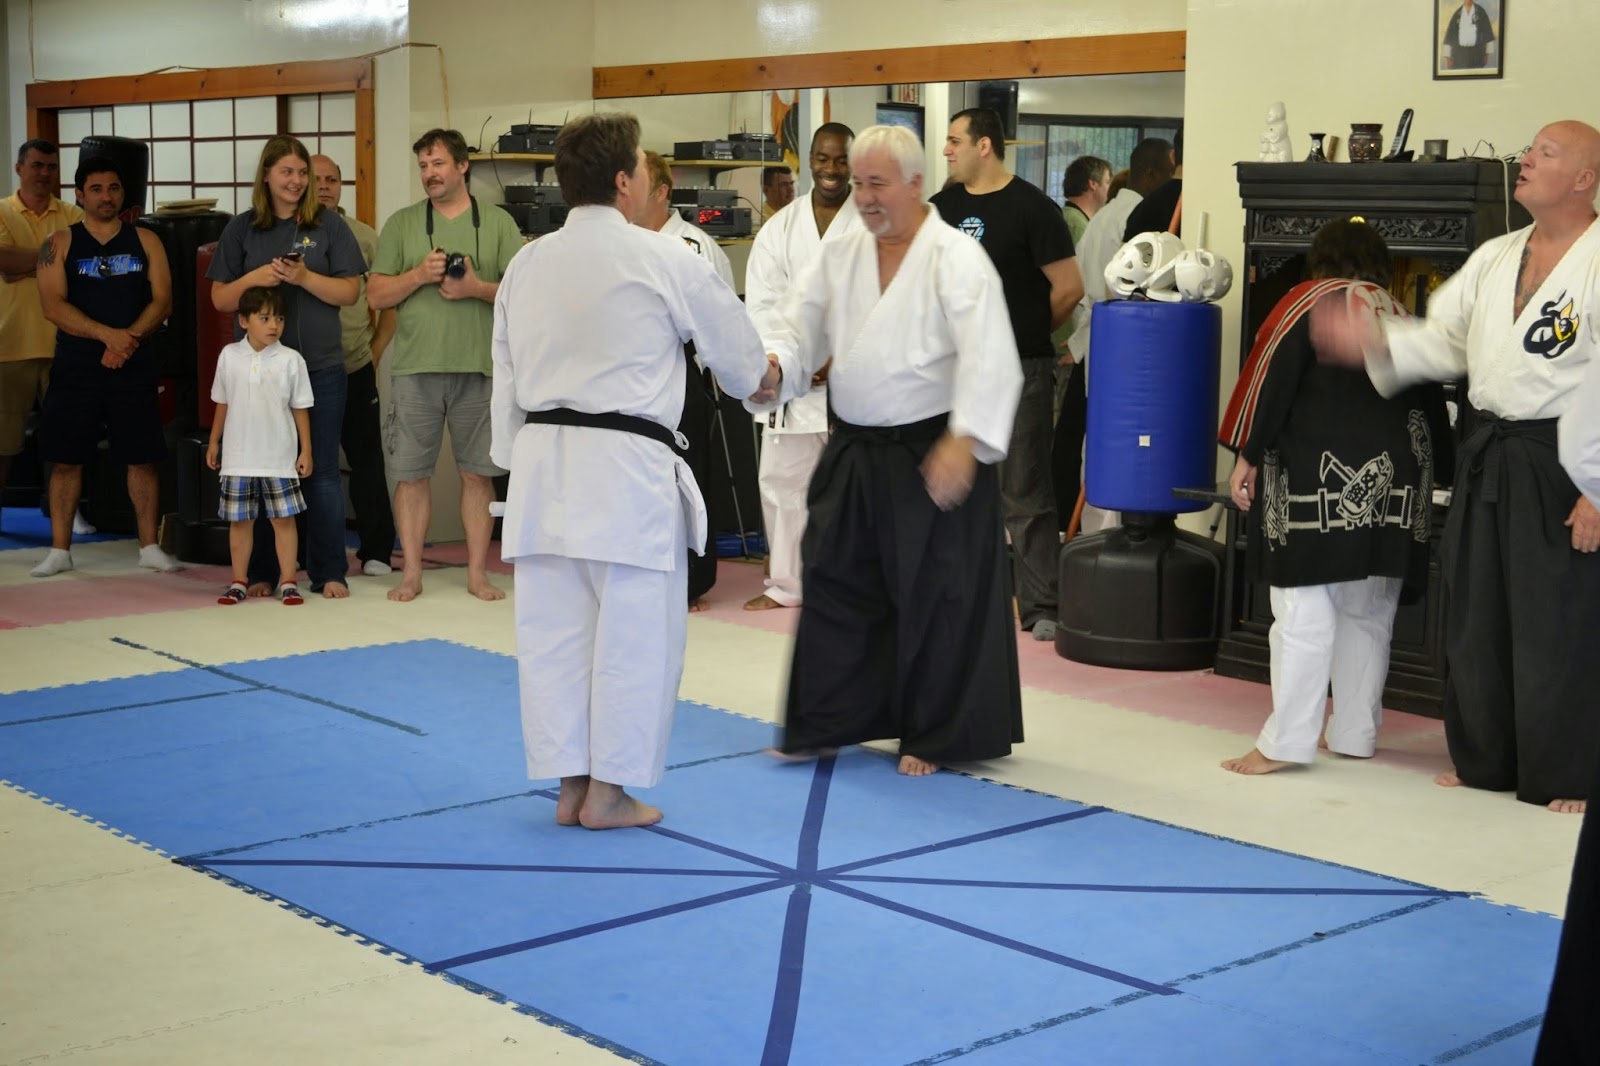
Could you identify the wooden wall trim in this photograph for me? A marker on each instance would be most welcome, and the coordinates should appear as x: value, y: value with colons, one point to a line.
x: 1126, y: 53
x: 367, y: 155
x: 320, y: 76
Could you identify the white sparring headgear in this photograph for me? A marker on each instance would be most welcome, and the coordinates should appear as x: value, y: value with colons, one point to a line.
x: 1202, y: 276
x: 1141, y: 259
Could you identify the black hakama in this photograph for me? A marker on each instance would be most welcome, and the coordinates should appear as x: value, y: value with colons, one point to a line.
x: 1522, y: 706
x: 699, y: 404
x: 906, y: 630
x: 1570, y: 1034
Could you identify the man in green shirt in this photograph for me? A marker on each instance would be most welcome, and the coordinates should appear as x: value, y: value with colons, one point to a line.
x: 439, y: 265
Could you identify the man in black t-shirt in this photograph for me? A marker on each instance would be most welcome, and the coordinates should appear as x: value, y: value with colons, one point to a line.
x: 1022, y: 230
x: 1157, y: 210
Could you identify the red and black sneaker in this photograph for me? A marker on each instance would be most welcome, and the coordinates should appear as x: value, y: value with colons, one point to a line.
x: 234, y: 594
x: 290, y: 595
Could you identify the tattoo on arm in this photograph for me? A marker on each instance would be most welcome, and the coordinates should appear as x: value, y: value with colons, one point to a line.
x: 47, y: 253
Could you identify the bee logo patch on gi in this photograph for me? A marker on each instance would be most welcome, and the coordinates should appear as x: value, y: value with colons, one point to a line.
x: 1555, y: 330
x: 972, y: 226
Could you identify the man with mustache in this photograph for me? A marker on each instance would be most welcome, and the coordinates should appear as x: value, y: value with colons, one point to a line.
x: 105, y: 286
x: 792, y: 437
x: 906, y: 627
x: 27, y: 339
x: 440, y: 371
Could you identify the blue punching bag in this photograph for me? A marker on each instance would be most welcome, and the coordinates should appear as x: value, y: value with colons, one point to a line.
x: 1153, y: 405
x: 1145, y: 595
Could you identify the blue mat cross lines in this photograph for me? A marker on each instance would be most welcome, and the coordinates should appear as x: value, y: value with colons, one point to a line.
x: 823, y: 913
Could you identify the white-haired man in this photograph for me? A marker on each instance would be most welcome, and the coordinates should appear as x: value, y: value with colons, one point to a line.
x: 905, y: 630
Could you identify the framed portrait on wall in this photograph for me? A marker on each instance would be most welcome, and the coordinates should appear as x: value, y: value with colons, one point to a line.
x: 1468, y: 38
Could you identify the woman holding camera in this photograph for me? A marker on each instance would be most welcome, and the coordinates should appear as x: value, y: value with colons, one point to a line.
x: 287, y: 239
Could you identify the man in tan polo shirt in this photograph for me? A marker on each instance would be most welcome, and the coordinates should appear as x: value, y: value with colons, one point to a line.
x: 27, y: 341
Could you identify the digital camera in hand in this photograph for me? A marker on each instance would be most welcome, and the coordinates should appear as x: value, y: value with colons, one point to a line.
x: 455, y: 264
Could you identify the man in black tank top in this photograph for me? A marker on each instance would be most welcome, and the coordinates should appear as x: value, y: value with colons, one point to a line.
x: 106, y: 287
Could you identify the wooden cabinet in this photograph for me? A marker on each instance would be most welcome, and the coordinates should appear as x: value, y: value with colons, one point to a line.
x: 1432, y: 215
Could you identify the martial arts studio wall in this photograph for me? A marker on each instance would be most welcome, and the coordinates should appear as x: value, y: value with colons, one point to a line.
x: 1371, y: 60
x: 790, y: 28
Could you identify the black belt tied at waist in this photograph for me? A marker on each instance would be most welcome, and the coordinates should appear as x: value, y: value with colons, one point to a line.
x: 642, y: 427
x: 927, y: 429
x: 1480, y: 452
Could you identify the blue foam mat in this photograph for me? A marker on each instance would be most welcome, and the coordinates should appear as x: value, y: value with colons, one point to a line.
x: 812, y: 913
x: 28, y: 527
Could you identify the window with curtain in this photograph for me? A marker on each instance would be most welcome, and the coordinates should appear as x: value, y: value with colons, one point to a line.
x: 1047, y: 144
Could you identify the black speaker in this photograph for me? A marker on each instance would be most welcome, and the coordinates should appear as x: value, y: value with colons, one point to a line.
x: 1001, y: 98
x: 181, y: 237
x: 133, y: 163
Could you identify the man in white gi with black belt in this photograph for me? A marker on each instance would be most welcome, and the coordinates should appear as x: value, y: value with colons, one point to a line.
x: 793, y: 436
x: 906, y: 629
x: 589, y: 328
x: 1519, y: 322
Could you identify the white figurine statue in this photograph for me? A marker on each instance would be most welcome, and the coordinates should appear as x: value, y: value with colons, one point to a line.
x: 1275, y: 138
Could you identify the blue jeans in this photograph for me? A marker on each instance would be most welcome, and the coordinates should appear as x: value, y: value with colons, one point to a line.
x: 322, y: 524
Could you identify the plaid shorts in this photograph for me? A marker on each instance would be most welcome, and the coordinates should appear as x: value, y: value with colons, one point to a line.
x: 279, y: 497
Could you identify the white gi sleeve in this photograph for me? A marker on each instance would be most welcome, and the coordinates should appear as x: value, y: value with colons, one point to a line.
x: 1578, y: 435
x: 766, y: 278
x: 1430, y: 349
x: 798, y: 333
x: 506, y: 417
x: 709, y: 313
x: 988, y: 380
x: 719, y: 260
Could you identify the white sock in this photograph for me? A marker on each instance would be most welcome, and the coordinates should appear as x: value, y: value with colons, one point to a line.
x: 151, y: 557
x: 81, y: 526
x: 58, y: 560
x: 376, y: 568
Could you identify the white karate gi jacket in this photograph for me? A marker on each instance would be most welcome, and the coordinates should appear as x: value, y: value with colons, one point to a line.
x: 784, y: 248
x: 594, y: 317
x: 1523, y: 368
x: 937, y: 340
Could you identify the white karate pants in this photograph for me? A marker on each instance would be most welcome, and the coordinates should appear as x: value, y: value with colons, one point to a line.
x: 599, y: 658
x: 1340, y: 630
x: 787, y: 462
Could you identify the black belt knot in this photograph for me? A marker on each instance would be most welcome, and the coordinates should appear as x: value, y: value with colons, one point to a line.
x: 642, y: 427
x: 1480, y: 452
x: 925, y: 430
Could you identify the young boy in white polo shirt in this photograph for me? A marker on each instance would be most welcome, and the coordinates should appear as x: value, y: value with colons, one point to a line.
x: 263, y: 396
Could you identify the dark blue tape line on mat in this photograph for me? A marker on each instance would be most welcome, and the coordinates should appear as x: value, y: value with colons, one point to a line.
x: 1029, y: 1030
x: 489, y: 867
x: 601, y: 927
x: 201, y: 858
x: 377, y: 719
x: 816, y: 807
x: 128, y: 707
x: 1496, y: 1037
x: 731, y: 853
x: 1315, y: 938
x: 943, y: 845
x: 1197, y: 890
x: 1004, y: 941
x: 791, y: 970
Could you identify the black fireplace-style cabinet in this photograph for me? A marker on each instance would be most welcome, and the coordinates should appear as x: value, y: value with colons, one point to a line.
x: 1432, y: 215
